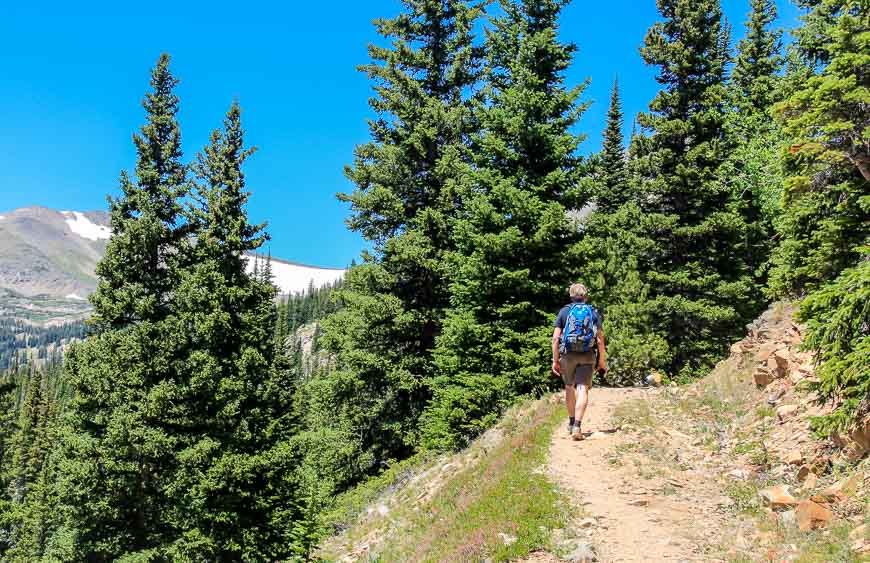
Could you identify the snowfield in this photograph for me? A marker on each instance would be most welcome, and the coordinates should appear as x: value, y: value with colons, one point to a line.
x: 295, y: 278
x: 84, y: 227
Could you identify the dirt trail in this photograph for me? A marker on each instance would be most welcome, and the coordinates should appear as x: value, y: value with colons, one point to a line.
x: 650, y: 501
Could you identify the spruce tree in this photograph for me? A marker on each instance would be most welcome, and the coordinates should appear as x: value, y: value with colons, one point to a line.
x: 825, y: 235
x: 614, y: 185
x: 232, y: 409
x: 825, y: 118
x: 758, y: 58
x: 512, y: 261
x: 700, y: 289
x: 32, y: 489
x: 121, y: 444
x: 407, y: 180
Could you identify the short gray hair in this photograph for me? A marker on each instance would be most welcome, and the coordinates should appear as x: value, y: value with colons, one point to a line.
x: 578, y: 292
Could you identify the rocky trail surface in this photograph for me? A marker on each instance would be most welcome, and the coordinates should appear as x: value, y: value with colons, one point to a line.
x: 634, y: 500
x: 724, y: 469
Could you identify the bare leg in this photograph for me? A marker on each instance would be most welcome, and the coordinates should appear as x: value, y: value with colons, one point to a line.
x: 581, y: 401
x: 569, y: 399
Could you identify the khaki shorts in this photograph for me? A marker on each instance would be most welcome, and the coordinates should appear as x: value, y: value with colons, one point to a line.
x: 577, y: 368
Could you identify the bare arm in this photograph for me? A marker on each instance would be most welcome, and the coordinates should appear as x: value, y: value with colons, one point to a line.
x: 602, y: 352
x: 557, y: 335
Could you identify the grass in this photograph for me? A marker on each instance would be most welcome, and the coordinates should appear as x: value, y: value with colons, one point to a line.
x: 498, y: 506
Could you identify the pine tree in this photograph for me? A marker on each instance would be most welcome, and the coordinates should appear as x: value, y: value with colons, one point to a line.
x: 407, y: 180
x: 699, y: 286
x: 614, y: 188
x: 758, y: 58
x: 825, y: 235
x: 512, y: 236
x: 123, y: 437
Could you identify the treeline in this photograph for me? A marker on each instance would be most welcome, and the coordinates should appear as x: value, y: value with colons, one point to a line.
x: 18, y: 337
x: 195, y: 432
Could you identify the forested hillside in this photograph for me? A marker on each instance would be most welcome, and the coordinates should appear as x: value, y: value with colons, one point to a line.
x: 195, y: 423
x: 22, y: 341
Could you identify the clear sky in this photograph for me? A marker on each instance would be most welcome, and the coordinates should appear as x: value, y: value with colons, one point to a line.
x: 73, y: 75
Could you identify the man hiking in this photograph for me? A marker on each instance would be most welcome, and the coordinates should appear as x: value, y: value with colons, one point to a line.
x: 578, y: 334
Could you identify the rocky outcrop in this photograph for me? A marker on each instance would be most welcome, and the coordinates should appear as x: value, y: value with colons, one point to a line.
x: 772, y: 353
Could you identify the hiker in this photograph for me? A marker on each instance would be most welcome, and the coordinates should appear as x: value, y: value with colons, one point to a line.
x: 578, y: 348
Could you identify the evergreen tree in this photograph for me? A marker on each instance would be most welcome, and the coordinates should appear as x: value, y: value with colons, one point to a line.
x: 752, y: 169
x: 614, y: 189
x: 825, y: 118
x: 122, y: 441
x: 699, y: 285
x: 32, y: 489
x: 8, y: 413
x: 825, y: 235
x: 513, y: 238
x: 232, y: 408
x: 758, y: 58
x: 407, y: 181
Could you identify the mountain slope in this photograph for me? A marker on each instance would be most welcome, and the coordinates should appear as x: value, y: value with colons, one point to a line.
x: 51, y: 253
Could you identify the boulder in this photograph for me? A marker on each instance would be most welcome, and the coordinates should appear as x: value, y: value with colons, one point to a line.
x: 761, y: 376
x: 812, y: 515
x: 778, y: 497
x: 775, y: 368
x: 859, y: 533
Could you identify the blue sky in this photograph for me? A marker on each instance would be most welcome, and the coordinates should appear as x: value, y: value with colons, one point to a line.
x: 74, y: 74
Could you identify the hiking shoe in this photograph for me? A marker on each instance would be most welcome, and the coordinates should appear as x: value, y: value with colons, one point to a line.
x: 569, y: 428
x: 576, y: 433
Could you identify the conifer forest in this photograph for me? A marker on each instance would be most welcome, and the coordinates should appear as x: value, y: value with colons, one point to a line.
x: 200, y: 416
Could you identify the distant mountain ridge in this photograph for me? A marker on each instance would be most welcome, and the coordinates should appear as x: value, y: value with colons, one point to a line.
x: 45, y: 252
x: 48, y: 260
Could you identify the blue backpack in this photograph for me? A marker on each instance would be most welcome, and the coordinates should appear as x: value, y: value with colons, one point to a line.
x: 581, y: 329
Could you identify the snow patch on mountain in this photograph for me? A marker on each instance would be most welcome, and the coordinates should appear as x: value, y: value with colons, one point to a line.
x: 75, y: 297
x: 296, y: 278
x: 84, y: 227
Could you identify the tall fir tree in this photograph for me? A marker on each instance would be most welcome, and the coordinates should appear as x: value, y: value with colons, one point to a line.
x: 121, y: 444
x: 614, y: 185
x: 232, y: 409
x: 759, y: 58
x: 825, y: 230
x: 700, y: 288
x: 513, y: 237
x: 407, y: 182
